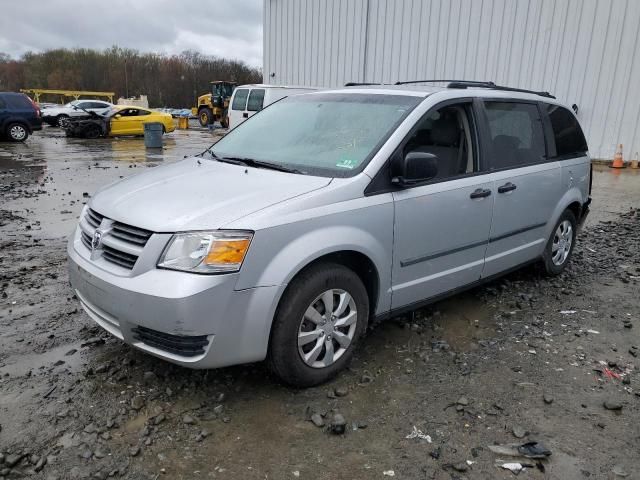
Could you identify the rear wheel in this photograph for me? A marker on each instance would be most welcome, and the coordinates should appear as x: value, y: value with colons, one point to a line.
x: 62, y: 121
x: 17, y: 132
x: 560, y: 246
x: 205, y: 117
x: 319, y: 321
x: 224, y: 120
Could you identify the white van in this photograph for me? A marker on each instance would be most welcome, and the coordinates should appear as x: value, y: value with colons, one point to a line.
x: 249, y: 99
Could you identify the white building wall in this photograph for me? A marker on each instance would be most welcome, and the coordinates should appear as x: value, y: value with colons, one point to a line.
x: 585, y: 52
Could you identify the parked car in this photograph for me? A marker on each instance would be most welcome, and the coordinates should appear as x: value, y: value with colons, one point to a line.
x: 19, y: 116
x: 119, y: 120
x: 325, y: 211
x: 58, y: 116
x: 247, y: 100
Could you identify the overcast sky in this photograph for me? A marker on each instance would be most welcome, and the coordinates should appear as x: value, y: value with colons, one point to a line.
x: 226, y: 28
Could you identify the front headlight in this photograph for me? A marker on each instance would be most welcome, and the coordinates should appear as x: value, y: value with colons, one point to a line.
x: 206, y: 252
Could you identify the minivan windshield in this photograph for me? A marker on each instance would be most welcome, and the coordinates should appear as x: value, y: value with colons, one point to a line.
x: 324, y: 134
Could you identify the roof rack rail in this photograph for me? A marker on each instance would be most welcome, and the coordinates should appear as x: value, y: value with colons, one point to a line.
x: 478, y: 84
x: 493, y: 86
x: 408, y: 82
x: 356, y: 84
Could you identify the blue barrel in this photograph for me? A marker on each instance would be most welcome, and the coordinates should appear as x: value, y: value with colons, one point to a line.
x: 153, y: 135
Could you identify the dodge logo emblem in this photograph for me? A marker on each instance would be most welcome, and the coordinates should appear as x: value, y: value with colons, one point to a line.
x: 96, y: 240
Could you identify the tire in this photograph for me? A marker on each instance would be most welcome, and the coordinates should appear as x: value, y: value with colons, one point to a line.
x: 205, y: 116
x: 224, y: 120
x: 61, y: 120
x: 17, y: 132
x: 92, y: 132
x: 307, y: 293
x: 559, y: 248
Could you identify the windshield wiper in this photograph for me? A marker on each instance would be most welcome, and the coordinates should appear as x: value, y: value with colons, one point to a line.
x: 250, y: 162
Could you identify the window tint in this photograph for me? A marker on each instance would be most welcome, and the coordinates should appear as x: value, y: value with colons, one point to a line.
x: 256, y: 99
x: 516, y: 134
x: 447, y: 134
x: 18, y: 102
x: 566, y: 132
x: 240, y: 99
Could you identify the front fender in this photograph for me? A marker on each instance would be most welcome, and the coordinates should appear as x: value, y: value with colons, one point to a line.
x: 278, y: 254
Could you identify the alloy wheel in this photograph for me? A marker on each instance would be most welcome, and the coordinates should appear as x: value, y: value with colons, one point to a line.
x: 18, y: 132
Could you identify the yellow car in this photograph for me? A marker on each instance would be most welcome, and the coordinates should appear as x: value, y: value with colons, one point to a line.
x: 125, y: 120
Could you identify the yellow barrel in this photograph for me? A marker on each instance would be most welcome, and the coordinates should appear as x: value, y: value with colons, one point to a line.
x: 183, y: 123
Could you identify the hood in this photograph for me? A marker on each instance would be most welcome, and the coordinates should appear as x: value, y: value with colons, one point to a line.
x: 188, y: 195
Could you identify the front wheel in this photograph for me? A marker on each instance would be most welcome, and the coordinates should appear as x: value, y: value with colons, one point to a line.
x: 205, y: 117
x: 318, y: 323
x: 560, y: 246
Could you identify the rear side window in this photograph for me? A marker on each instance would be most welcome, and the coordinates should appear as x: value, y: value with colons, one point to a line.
x: 240, y: 99
x: 567, y: 133
x: 256, y: 100
x: 516, y: 134
x: 19, y: 102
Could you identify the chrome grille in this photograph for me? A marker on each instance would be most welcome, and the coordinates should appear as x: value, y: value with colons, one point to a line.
x: 93, y: 218
x: 121, y: 243
x: 130, y: 234
x: 123, y: 259
x: 86, y: 239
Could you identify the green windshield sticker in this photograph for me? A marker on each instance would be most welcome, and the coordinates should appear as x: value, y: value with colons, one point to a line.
x: 346, y: 163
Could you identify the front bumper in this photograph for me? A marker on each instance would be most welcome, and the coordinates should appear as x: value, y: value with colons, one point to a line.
x: 230, y: 326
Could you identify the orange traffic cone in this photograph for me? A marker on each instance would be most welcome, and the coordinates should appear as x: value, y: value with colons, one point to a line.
x: 634, y: 162
x: 618, y: 162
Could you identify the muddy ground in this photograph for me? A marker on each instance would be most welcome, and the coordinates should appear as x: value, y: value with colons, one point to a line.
x: 523, y: 358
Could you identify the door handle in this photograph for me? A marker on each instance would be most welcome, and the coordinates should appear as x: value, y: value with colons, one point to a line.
x: 507, y: 187
x: 480, y: 193
x: 245, y: 115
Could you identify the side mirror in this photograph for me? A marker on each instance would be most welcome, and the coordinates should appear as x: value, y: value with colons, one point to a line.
x: 416, y: 167
x: 117, y: 115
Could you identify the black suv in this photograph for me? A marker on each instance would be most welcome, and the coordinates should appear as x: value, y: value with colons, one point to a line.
x: 19, y: 116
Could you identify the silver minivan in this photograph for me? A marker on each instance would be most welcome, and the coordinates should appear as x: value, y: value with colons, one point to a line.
x: 327, y: 210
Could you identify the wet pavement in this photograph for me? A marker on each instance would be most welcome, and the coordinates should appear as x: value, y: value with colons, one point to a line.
x: 469, y: 371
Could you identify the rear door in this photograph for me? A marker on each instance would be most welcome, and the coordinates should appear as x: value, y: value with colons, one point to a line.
x: 527, y: 183
x: 255, y: 103
x: 442, y: 227
x: 238, y: 107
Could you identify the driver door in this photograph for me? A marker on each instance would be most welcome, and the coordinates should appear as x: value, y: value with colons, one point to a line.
x: 125, y: 122
x: 442, y: 226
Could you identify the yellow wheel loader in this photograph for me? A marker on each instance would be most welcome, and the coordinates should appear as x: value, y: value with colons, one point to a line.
x: 215, y: 105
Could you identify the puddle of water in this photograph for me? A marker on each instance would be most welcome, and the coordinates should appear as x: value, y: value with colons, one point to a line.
x: 614, y: 191
x: 462, y: 321
x: 65, y: 171
x: 42, y: 362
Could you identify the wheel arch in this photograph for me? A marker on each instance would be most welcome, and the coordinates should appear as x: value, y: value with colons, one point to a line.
x: 571, y: 200
x: 354, y: 260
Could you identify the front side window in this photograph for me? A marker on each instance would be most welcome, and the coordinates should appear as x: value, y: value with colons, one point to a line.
x: 319, y: 134
x: 447, y: 133
x: 567, y: 133
x: 240, y: 99
x: 516, y: 134
x: 256, y: 100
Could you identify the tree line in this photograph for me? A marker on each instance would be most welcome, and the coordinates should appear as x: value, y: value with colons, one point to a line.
x: 168, y: 80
